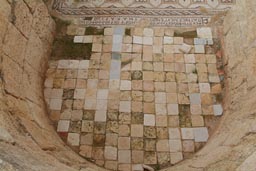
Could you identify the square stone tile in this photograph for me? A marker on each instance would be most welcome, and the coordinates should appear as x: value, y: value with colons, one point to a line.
x: 178, y: 40
x: 98, y: 153
x: 125, y: 106
x: 150, y: 158
x: 149, y: 120
x: 55, y: 104
x: 63, y: 126
x: 201, y: 134
x: 137, y: 40
x: 199, y: 49
x: 102, y: 105
x: 162, y: 133
x: 147, y: 40
x: 195, y: 98
x: 136, y: 130
x: 114, y: 84
x: 160, y: 97
x: 149, y: 132
x: 137, y: 143
x: 79, y: 93
x: 124, y: 130
x: 169, y: 67
x: 174, y: 134
x: 168, y: 40
x: 137, y: 96
x: 124, y: 167
x: 137, y: 106
x: 197, y: 121
x: 124, y: 143
x: 76, y: 115
x: 113, y: 165
x: 73, y: 139
x: 187, y: 133
x: 102, y: 94
x: 191, y: 68
x: 158, y: 66
x: 96, y: 47
x: 137, y: 156
x: 162, y: 146
x: 117, y: 39
x: 110, y: 153
x: 136, y: 84
x: 159, y: 86
x: 173, y: 121
x: 211, y: 59
x: 175, y: 145
x: 116, y: 47
x: 127, y: 39
x: 100, y: 116
x: 149, y: 108
x: 204, y: 32
x: 148, y: 32
x: 150, y: 145
x: 173, y: 109
x: 86, y: 139
x: 111, y: 139
x: 189, y: 58
x: 188, y: 146
x: 195, y: 109
x: 172, y: 98
x: 124, y: 156
x: 85, y: 151
x: 176, y: 157
x: 161, y: 109
x: 217, y: 109
x: 206, y: 99
x: 119, y: 30
x: 204, y: 87
x: 87, y: 126
x: 148, y: 85
x: 159, y: 31
x: 125, y: 96
x: 136, y: 66
x: 127, y: 48
x: 56, y: 93
x: 180, y: 67
x: 90, y: 104
x: 161, y: 121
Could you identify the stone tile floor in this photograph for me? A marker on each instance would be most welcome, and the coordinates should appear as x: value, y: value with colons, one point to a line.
x: 140, y: 99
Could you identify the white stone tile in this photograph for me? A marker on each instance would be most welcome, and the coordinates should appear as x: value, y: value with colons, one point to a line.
x: 79, y: 93
x: 137, y: 40
x: 218, y: 110
x: 168, y: 40
x: 149, y: 120
x: 147, y: 40
x: 187, y: 133
x: 199, y: 49
x: 88, y: 39
x: 148, y: 32
x: 63, y: 126
x: 175, y: 145
x: 78, y: 39
x: 55, y: 104
x: 100, y: 116
x: 204, y: 32
x: 73, y: 139
x: 125, y: 85
x: 125, y: 106
x: 201, y: 134
x: 195, y: 98
x: 84, y: 64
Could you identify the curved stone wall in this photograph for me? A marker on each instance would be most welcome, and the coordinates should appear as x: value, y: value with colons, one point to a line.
x: 27, y: 139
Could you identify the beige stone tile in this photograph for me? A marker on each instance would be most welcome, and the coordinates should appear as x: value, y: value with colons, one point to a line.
x: 111, y: 165
x: 124, y: 143
x: 150, y: 158
x: 149, y: 108
x: 124, y: 156
x: 188, y: 146
x: 174, y: 134
x: 162, y: 146
x: 125, y: 106
x: 149, y: 120
x: 161, y: 121
x: 173, y: 121
x: 137, y: 156
x: 172, y: 98
x: 85, y: 151
x: 63, y: 126
x: 136, y: 130
x: 110, y: 153
x: 161, y: 109
x: 175, y: 145
x: 73, y: 139
x: 176, y: 157
x: 55, y: 104
x: 124, y: 130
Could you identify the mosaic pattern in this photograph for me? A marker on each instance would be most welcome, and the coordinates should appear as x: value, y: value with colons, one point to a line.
x: 176, y: 13
x: 140, y: 99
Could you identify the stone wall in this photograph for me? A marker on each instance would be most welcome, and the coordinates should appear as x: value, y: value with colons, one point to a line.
x: 232, y: 147
x: 27, y: 139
